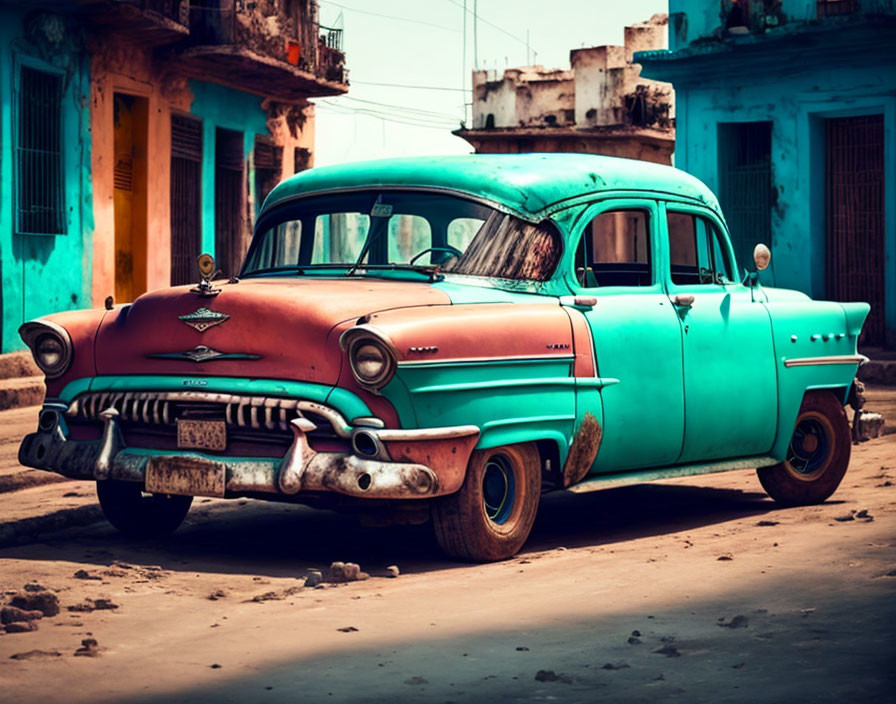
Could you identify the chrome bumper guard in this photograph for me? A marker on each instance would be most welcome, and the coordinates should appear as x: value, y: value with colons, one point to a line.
x: 302, y: 469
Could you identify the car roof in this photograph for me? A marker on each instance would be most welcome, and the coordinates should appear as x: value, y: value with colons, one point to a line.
x: 532, y: 185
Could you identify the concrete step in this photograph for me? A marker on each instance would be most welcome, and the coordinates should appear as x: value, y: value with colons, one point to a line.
x: 878, y: 371
x: 21, y: 392
x: 17, y: 364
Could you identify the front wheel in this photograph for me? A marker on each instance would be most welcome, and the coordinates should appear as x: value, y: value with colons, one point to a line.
x: 817, y: 456
x: 492, y: 514
x: 138, y: 514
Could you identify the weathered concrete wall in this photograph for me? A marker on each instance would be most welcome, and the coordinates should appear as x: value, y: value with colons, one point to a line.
x: 41, y: 274
x: 496, y: 97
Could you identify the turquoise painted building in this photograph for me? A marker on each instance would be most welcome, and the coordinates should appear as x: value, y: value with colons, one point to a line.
x: 787, y: 109
x: 46, y: 214
x: 135, y: 134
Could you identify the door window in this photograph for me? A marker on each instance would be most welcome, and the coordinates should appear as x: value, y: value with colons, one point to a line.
x: 697, y: 254
x: 615, y: 250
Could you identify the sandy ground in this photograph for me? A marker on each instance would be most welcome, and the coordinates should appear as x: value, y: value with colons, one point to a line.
x: 697, y: 589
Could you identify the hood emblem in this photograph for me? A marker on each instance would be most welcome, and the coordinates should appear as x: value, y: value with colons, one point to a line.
x: 207, y: 272
x: 201, y: 353
x: 202, y: 319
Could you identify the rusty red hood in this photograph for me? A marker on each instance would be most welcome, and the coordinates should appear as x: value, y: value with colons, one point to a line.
x: 275, y: 328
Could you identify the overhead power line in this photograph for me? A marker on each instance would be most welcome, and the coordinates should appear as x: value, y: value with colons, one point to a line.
x: 401, y: 108
x: 405, y: 85
x: 391, y: 17
x: 490, y: 24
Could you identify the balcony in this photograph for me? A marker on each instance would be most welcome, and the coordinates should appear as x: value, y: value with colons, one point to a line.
x: 285, y: 58
x: 146, y: 23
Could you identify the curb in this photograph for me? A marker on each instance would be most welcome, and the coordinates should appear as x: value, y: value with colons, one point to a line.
x: 29, y: 530
x: 21, y: 392
x: 27, y: 478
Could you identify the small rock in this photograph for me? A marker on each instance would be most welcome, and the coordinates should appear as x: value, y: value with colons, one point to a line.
x: 807, y: 612
x: 313, y: 578
x: 217, y: 594
x: 863, y: 515
x: 104, y: 604
x: 725, y: 557
x: 615, y: 666
x: 764, y: 524
x: 20, y: 627
x: 344, y: 572
x: 84, y: 574
x: 551, y: 676
x: 522, y: 648
x: 89, y: 648
x: 669, y: 650
x: 634, y: 640
x: 636, y: 634
x: 347, y: 629
x: 739, y: 621
x: 12, y: 614
x: 416, y: 680
x: 215, y: 666
x: 45, y: 602
x: 34, y: 587
x: 739, y: 666
x: 35, y: 654
x: 392, y: 571
x: 847, y: 517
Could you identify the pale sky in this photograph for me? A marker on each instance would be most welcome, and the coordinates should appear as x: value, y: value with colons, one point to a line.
x: 421, y: 43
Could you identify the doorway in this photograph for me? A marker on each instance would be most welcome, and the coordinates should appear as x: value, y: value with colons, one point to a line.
x: 745, y: 185
x: 186, y: 175
x: 231, y: 232
x: 129, y: 194
x: 854, y: 197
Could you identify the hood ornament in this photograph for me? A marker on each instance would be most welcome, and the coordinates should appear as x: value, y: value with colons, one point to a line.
x: 202, y: 319
x: 207, y: 271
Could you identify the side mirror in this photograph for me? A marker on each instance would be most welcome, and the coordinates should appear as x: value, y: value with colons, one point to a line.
x: 761, y: 256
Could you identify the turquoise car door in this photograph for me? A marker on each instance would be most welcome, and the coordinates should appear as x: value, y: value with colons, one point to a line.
x: 635, y: 332
x: 730, y: 379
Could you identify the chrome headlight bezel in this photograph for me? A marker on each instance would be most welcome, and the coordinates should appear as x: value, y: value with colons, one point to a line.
x: 363, y: 344
x: 35, y: 333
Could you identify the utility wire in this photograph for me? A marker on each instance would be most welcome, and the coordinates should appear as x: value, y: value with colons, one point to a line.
x: 391, y: 17
x: 490, y: 24
x: 405, y: 85
x: 390, y: 110
x: 387, y: 118
x: 402, y: 108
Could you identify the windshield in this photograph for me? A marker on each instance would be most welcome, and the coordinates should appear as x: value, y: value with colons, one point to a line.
x: 366, y: 232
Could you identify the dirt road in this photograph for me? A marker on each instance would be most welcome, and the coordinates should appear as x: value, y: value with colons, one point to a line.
x: 690, y: 590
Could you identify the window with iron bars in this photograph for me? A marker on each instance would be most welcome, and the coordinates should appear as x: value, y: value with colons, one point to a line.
x: 39, y: 185
x: 832, y: 8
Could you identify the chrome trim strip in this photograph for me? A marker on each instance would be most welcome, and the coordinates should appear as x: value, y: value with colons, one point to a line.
x: 832, y: 359
x: 457, y: 431
x: 487, y: 360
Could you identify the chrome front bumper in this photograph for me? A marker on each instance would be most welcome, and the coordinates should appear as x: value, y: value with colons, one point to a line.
x: 302, y: 469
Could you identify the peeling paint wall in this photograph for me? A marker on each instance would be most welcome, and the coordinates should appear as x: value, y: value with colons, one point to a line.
x: 602, y: 88
x: 41, y: 274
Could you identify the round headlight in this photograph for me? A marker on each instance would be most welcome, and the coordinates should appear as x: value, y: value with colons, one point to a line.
x: 48, y: 351
x: 370, y: 361
x: 373, y: 364
x: 50, y: 345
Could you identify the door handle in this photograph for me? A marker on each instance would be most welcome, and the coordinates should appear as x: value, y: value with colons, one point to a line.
x: 578, y: 301
x: 685, y: 300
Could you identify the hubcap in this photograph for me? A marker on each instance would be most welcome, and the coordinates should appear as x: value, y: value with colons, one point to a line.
x: 498, y: 489
x: 810, y: 447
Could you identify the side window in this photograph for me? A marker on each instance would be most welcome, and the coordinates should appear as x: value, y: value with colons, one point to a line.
x: 696, y: 251
x: 409, y: 235
x: 615, y: 250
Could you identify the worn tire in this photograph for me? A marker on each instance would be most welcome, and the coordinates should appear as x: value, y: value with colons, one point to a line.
x: 817, y: 457
x: 491, y: 516
x: 140, y: 515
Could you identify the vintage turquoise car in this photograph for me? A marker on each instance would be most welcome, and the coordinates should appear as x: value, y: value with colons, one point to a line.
x: 448, y: 338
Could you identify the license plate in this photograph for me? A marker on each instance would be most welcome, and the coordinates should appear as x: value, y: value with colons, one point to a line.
x: 187, y: 476
x: 201, y: 434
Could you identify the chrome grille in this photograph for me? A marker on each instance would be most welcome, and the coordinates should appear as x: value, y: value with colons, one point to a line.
x: 165, y: 407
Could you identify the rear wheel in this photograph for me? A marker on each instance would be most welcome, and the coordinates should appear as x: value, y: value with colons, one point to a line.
x: 138, y: 514
x: 817, y: 456
x: 492, y: 514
